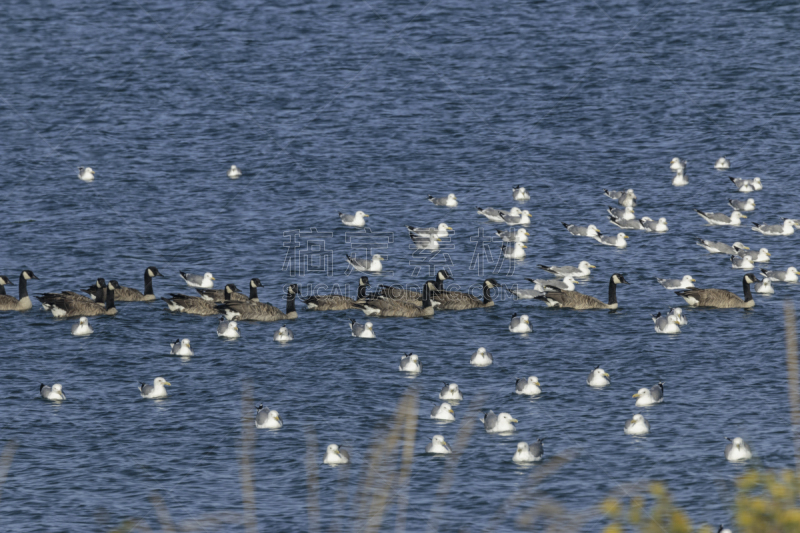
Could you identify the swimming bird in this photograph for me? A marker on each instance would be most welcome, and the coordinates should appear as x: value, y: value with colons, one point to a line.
x: 228, y: 329
x: 680, y: 179
x: 737, y: 450
x: 495, y: 215
x: 3, y: 282
x: 450, y: 392
x: 678, y: 315
x: 267, y: 418
x: 441, y: 231
x: 127, y: 294
x: 528, y: 387
x: 501, y: 423
x: 337, y: 302
x: 9, y: 303
x: 356, y: 220
x: 581, y: 271
x: 218, y: 295
x: 625, y: 213
x: 742, y: 262
x: 764, y: 286
x: 760, y: 256
x: 363, y: 331
x: 637, y: 426
x: 336, y: 456
x: 576, y: 300
x: 86, y: 174
x: 723, y: 529
x: 666, y: 324
x: 156, y: 390
x: 742, y: 205
x: 438, y: 445
x: 52, y: 393
x: 424, y: 242
x: 448, y: 201
x: 582, y: 231
x: 650, y: 396
x: 481, y: 358
x: 520, y: 194
x: 234, y: 172
x: 410, y: 295
x: 261, y: 311
x: 653, y: 226
x: 410, y: 363
x: 82, y: 328
x: 722, y: 164
x: 625, y: 198
x: 197, y: 305
x: 629, y: 224
x: 519, y: 324
x: 181, y: 347
x: 777, y: 275
x: 523, y: 218
x: 97, y: 291
x: 721, y: 219
x: 65, y: 305
x: 775, y: 230
x: 567, y: 283
x: 529, y: 453
x: 686, y: 282
x: 443, y: 411
x: 676, y: 164
x: 206, y: 281
x: 720, y: 298
x: 598, y: 378
x: 386, y: 307
x: 366, y: 265
x: 618, y: 241
x: 283, y: 334
x: 517, y: 251
x: 461, y: 301
x: 524, y: 294
x: 520, y: 235
x: 747, y: 185
x: 720, y: 247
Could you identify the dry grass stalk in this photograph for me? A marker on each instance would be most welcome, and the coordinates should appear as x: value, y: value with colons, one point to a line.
x: 793, y: 372
x: 246, y: 467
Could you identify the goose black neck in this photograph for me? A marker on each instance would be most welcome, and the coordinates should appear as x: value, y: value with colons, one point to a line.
x: 2, y: 290
x: 290, y: 303
x: 148, y: 283
x: 109, y: 299
x: 746, y: 288
x: 426, y: 297
x: 438, y: 283
x: 227, y: 294
x: 362, y: 292
x: 23, y: 287
x: 253, y: 292
x: 487, y: 293
x: 612, y: 292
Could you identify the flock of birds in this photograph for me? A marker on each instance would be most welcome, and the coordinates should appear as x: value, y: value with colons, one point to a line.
x: 391, y: 301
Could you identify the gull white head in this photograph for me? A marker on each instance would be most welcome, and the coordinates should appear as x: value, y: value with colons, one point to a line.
x: 583, y: 265
x: 56, y: 387
x: 159, y: 381
x: 334, y: 456
x: 599, y: 378
x: 451, y: 196
x: 506, y: 418
x: 361, y: 214
x: 208, y: 276
x: 83, y: 321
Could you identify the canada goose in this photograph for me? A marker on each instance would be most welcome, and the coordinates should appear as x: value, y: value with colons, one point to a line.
x: 228, y: 329
x: 356, y: 220
x: 3, y: 282
x: 655, y: 226
x: 440, y: 231
x: 777, y: 275
x: 447, y: 201
x: 764, y: 286
x: 206, y: 281
x: 520, y: 235
x: 196, y: 305
x: 581, y: 271
x: 650, y: 396
x: 53, y: 393
x: 65, y: 305
x: 680, y: 179
x: 598, y: 378
x: 283, y: 334
x: 520, y: 194
x: 760, y: 256
x: 625, y: 213
x: 181, y: 347
x: 82, y: 328
x: 720, y: 297
x: 747, y: 185
x: 519, y: 324
x: 625, y: 198
x: 628, y: 224
x: 676, y: 164
x: 400, y: 308
x: 501, y: 423
x: 443, y: 411
x: 576, y: 300
x: 234, y: 172
x: 523, y: 218
x: 335, y: 455
x: 85, y: 174
x: 567, y: 283
x: 637, y: 426
x: 677, y: 312
x: 363, y: 331
x: 666, y: 324
x: 9, y: 303
x: 720, y: 247
x: 126, y: 294
x: 529, y: 453
x: 737, y: 450
x: 459, y: 301
x: 686, y: 282
x: 517, y: 251
x: 722, y: 164
x: 438, y: 445
x: 97, y: 291
x: 260, y: 311
x: 774, y: 230
x: 495, y: 215
x: 450, y: 392
x: 267, y: 418
x: 582, y: 231
x: 337, y: 302
x: 743, y: 262
x: 742, y: 205
x: 156, y: 390
x: 218, y: 295
x: 410, y: 363
x: 409, y: 295
x: 366, y: 265
x: 481, y: 358
x: 721, y: 219
x: 528, y: 387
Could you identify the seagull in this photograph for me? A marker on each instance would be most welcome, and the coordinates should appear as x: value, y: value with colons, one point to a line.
x: 743, y: 262
x: 625, y: 198
x: 438, y: 445
x: 777, y: 275
x: 516, y: 220
x: 356, y: 220
x: 666, y: 324
x: 650, y: 396
x: 626, y: 213
x: 336, y: 456
x: 521, y: 235
x: 448, y: 201
x: 181, y: 347
x: 618, y: 241
x: 722, y: 164
x: 629, y: 224
x: 495, y: 214
x: 410, y: 363
x: 267, y: 418
x: 582, y: 231
x: 686, y: 282
x: 764, y: 286
x: 598, y: 378
x: 721, y: 219
x: 363, y: 331
x: 481, y: 358
x: 680, y: 179
x: 581, y: 271
x: 520, y: 194
x: 720, y: 247
x: 228, y: 328
x: 747, y: 185
x: 760, y: 256
x: 156, y: 390
x: 52, y: 393
x: 501, y: 423
x: 774, y: 230
x: 653, y: 226
x: 567, y: 283
x: 743, y: 205
x: 234, y: 173
x: 283, y: 334
x: 529, y: 454
x: 517, y: 251
x: 366, y: 265
x: 528, y: 387
x: 86, y: 174
x: 443, y: 411
x: 82, y: 328
x: 637, y: 426
x: 519, y: 324
x: 440, y: 231
x: 677, y: 313
x: 737, y: 450
x: 450, y: 392
x: 206, y: 281
x: 677, y: 164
